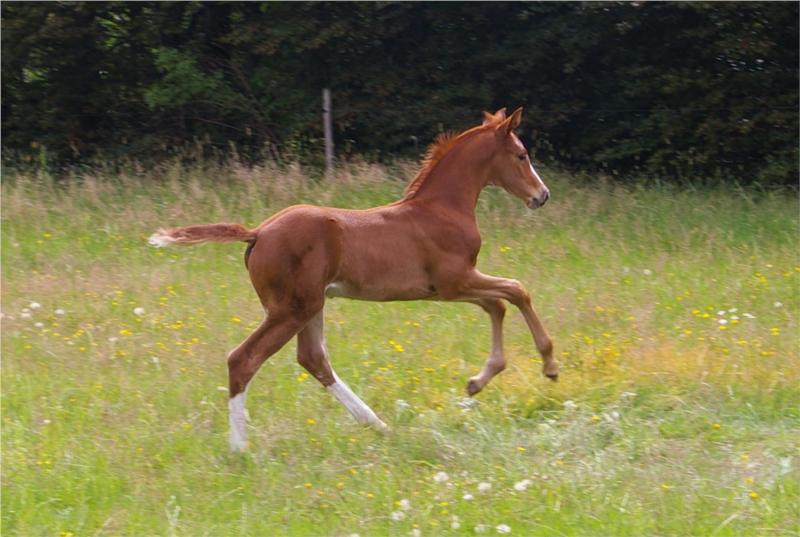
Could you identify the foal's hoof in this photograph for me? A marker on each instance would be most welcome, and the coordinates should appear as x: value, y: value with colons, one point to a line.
x: 473, y: 387
x: 551, y: 371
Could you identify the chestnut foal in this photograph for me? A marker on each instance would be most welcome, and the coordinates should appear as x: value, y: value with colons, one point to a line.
x: 423, y: 246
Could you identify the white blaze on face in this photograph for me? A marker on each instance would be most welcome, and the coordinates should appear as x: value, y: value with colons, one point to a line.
x: 536, y: 175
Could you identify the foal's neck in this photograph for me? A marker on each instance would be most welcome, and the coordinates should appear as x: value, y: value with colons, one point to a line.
x: 458, y: 178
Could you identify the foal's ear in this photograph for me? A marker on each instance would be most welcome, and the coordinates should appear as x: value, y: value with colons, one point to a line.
x: 494, y: 119
x: 511, y: 123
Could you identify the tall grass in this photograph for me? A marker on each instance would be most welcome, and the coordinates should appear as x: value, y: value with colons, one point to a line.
x: 674, y: 313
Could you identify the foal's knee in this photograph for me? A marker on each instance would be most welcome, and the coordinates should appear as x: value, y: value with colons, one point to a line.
x: 519, y: 294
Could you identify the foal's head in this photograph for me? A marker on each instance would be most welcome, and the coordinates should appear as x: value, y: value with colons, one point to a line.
x: 510, y: 167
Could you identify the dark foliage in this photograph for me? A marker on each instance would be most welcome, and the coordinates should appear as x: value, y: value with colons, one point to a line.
x: 674, y: 90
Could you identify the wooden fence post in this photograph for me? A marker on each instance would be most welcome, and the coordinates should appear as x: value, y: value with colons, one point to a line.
x: 328, y: 127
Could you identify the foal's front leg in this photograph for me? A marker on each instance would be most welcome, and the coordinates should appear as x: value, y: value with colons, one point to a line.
x: 496, y: 361
x: 480, y: 286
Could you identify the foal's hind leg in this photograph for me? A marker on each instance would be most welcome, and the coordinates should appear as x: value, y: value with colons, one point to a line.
x: 312, y: 354
x: 496, y: 361
x: 244, y: 361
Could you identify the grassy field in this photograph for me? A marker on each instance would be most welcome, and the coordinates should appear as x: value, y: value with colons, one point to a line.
x: 674, y: 314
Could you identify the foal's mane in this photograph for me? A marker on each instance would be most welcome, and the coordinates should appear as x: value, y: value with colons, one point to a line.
x: 443, y: 143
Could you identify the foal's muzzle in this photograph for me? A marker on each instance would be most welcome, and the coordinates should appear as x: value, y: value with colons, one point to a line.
x: 537, y: 201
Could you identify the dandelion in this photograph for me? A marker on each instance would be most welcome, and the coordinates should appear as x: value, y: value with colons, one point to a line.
x: 441, y: 477
x: 716, y: 425
x: 595, y: 418
x: 665, y: 486
x: 36, y: 305
x: 503, y: 528
x: 484, y: 486
x: 311, y: 421
x: 138, y: 311
x: 397, y: 516
x: 522, y: 485
x: 753, y: 495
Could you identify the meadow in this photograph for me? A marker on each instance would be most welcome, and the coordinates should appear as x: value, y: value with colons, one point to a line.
x: 674, y: 313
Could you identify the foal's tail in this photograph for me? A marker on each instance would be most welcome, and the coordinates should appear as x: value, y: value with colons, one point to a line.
x: 202, y: 233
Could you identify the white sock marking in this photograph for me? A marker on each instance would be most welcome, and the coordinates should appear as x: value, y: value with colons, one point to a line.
x: 360, y: 411
x: 237, y: 416
x: 160, y: 239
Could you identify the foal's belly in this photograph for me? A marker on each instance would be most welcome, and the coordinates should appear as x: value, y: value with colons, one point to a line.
x: 382, y: 293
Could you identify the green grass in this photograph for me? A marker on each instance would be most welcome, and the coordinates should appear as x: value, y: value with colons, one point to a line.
x: 674, y: 424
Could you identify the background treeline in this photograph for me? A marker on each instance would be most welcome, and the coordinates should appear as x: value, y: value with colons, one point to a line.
x: 682, y: 90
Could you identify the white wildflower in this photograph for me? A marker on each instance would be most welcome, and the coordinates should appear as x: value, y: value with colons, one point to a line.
x: 522, y: 485
x: 113, y: 339
x: 722, y: 321
x: 734, y: 317
x: 405, y: 505
x: 721, y: 313
x: 38, y: 324
x: 468, y: 496
x: 647, y: 272
x: 628, y: 395
x: 25, y: 315
x: 480, y: 528
x: 732, y: 310
x: 785, y: 464
x: 416, y: 532
x: 138, y: 311
x: 484, y: 486
x: 59, y: 311
x: 455, y: 523
x: 776, y: 304
x: 441, y: 477
x: 36, y: 305
x: 397, y: 515
x: 466, y: 403
x: 503, y: 528
x: 570, y: 404
x: 749, y: 315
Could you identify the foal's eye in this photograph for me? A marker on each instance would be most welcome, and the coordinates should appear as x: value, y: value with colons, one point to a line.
x: 522, y: 156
